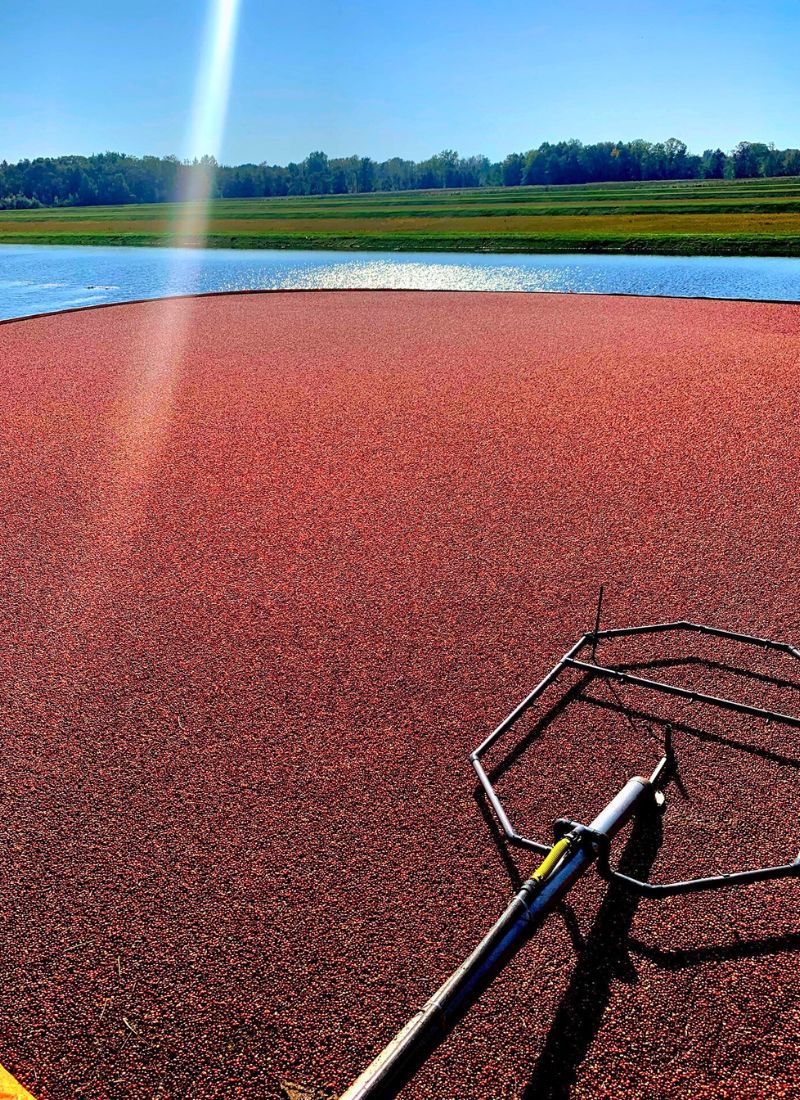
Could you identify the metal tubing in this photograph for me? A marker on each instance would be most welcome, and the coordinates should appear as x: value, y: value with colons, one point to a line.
x: 497, y: 806
x: 701, y: 628
x: 622, y: 807
x: 569, y: 661
x: 648, y: 628
x: 519, y: 710
x: 404, y: 1055
x: 747, y: 639
x: 694, y: 885
x: 683, y: 693
x: 597, y: 622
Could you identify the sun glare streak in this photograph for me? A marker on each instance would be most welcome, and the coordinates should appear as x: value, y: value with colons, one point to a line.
x: 163, y: 345
x: 211, y: 96
x: 214, y: 79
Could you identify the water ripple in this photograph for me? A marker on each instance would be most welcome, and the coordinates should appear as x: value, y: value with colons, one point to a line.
x: 39, y: 279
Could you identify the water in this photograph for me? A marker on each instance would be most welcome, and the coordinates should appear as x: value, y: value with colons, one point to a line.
x: 39, y: 279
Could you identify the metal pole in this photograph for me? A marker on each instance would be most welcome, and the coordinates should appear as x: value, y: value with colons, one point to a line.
x: 529, y: 700
x: 404, y: 1055
x: 682, y: 693
x: 597, y: 621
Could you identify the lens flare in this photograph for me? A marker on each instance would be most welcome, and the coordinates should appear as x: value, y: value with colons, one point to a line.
x: 165, y: 345
x: 209, y: 113
x: 147, y: 390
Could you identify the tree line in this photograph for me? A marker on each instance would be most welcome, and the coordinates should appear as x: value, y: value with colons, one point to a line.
x: 115, y: 178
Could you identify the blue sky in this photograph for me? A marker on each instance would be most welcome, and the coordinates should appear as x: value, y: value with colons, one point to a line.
x: 406, y: 77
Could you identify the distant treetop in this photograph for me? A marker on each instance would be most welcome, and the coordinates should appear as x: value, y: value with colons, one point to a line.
x: 115, y: 178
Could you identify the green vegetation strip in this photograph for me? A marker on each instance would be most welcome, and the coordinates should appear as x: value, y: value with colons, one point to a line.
x: 749, y: 217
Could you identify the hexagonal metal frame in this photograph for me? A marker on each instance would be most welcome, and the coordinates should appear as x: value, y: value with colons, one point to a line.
x: 590, y: 667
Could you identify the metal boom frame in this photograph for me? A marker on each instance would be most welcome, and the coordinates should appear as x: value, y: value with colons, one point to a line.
x: 571, y: 660
x: 576, y: 848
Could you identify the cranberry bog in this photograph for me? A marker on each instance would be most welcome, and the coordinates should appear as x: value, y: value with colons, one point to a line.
x: 273, y: 565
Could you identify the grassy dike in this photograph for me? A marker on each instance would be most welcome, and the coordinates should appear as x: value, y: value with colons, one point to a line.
x: 741, y: 217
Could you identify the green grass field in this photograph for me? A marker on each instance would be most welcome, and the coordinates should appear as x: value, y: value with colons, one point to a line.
x: 712, y: 217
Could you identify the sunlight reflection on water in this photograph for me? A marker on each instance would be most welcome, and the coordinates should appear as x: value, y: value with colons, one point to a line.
x: 394, y: 275
x: 39, y: 279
